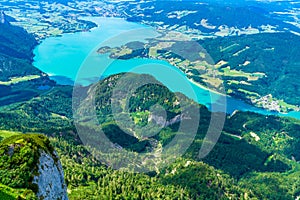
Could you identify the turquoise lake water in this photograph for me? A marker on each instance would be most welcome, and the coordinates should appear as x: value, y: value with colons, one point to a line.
x: 72, y: 59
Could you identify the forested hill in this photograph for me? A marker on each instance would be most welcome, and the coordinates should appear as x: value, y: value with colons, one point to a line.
x: 19, y: 79
x: 254, y: 156
x: 15, y: 41
x: 276, y: 55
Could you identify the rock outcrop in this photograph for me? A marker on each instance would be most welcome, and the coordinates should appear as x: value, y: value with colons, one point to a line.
x: 50, y: 178
x: 29, y: 162
x: 161, y: 121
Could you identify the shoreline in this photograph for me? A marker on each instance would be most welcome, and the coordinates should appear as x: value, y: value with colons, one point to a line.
x: 206, y: 88
x: 94, y: 19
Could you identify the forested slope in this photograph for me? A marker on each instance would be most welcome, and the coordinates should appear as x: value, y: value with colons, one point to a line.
x: 19, y: 79
x: 256, y: 156
x: 238, y: 167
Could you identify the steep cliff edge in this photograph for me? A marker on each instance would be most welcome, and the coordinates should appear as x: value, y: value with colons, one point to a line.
x: 28, y: 161
x: 50, y: 178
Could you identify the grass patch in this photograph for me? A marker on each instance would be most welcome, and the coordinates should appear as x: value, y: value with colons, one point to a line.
x: 8, y: 193
x: 287, y: 106
x: 15, y: 80
x: 229, y: 47
x: 235, y: 73
x: 6, y: 134
x: 248, y: 92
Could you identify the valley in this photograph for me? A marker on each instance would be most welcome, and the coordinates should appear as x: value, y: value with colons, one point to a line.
x: 226, y: 68
x: 216, y: 73
x: 115, y: 150
x: 271, y: 157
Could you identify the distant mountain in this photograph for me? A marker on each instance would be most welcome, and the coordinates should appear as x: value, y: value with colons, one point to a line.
x: 235, y: 15
x: 15, y: 51
x: 276, y: 55
x: 256, y: 156
x: 19, y: 79
x: 15, y: 41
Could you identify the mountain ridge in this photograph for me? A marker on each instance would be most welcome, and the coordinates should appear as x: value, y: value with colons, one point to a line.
x: 255, y: 155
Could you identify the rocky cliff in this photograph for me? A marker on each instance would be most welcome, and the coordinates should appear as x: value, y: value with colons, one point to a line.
x: 29, y: 161
x: 50, y: 178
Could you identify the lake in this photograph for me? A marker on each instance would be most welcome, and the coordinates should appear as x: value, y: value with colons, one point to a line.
x: 73, y: 59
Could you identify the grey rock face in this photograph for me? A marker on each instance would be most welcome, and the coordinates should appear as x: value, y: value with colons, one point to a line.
x: 2, y: 17
x: 161, y: 121
x: 50, y: 178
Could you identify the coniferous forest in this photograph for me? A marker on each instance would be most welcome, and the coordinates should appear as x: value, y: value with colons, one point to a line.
x: 256, y: 156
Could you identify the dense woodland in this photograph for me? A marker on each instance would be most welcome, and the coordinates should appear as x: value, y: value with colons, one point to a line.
x: 250, y: 67
x: 16, y: 52
x: 275, y: 54
x: 241, y: 166
x: 16, y: 55
x: 233, y: 15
